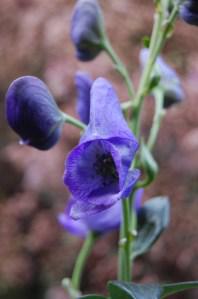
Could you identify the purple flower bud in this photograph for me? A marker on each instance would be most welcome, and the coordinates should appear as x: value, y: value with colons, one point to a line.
x: 169, y: 80
x: 83, y: 85
x: 138, y: 199
x: 189, y: 12
x: 32, y: 112
x: 104, y: 222
x: 87, y: 29
x: 97, y: 171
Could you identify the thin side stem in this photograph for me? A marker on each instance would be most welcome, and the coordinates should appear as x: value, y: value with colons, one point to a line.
x: 81, y: 260
x: 120, y: 67
x: 145, y: 79
x: 73, y: 121
x: 158, y: 116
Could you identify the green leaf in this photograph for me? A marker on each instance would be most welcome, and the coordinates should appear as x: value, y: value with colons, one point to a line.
x: 153, y: 218
x: 126, y: 290
x: 92, y: 297
x: 173, y: 288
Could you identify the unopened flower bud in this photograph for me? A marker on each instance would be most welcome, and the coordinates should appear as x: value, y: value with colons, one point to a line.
x: 169, y: 80
x: 83, y: 85
x: 32, y: 112
x: 87, y: 29
x: 189, y: 12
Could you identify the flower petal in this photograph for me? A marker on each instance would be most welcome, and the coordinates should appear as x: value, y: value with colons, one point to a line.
x: 81, y: 209
x: 75, y: 227
x: 83, y: 85
x: 106, y: 118
x: 106, y: 220
x: 81, y: 175
x: 131, y: 180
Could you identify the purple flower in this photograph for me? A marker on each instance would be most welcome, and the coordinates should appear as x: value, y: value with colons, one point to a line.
x: 104, y: 222
x: 97, y: 171
x: 169, y: 80
x: 32, y: 112
x: 83, y: 85
x: 87, y: 29
x: 189, y: 12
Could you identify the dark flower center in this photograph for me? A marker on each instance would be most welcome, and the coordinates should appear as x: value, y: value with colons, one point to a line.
x: 105, y: 167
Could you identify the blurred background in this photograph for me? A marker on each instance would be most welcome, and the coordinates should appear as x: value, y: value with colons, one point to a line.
x: 35, y: 253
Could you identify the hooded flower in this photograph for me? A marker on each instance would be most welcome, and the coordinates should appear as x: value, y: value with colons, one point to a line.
x: 189, y: 12
x: 87, y: 29
x: 169, y: 80
x: 105, y: 221
x: 32, y: 112
x: 83, y: 85
x: 97, y: 171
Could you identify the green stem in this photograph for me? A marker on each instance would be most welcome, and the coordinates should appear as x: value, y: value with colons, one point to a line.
x: 161, y: 29
x: 73, y: 121
x: 133, y: 226
x: 145, y: 79
x: 121, y: 253
x: 158, y: 116
x: 125, y: 242
x: 120, y: 67
x: 81, y: 260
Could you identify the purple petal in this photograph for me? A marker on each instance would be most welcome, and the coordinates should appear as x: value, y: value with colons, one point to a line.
x: 106, y: 220
x: 81, y: 209
x: 75, y: 227
x: 131, y: 180
x: 106, y: 118
x: 82, y: 175
x: 83, y: 85
x: 138, y: 199
x: 97, y: 204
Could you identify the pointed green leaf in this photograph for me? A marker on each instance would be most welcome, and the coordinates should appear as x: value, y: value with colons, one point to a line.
x: 126, y: 290
x: 153, y: 218
x: 173, y: 288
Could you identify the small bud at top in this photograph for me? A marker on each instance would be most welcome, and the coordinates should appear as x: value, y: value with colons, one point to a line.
x: 87, y: 29
x: 32, y: 112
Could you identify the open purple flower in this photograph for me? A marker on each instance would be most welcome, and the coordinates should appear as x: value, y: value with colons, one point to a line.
x: 189, y: 12
x: 104, y: 222
x: 32, y: 112
x: 87, y: 29
x: 83, y: 85
x: 169, y: 80
x: 97, y: 171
